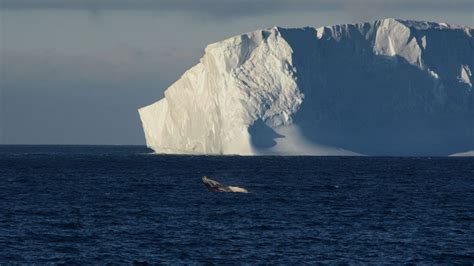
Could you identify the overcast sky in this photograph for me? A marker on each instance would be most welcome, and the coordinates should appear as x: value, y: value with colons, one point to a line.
x: 75, y: 71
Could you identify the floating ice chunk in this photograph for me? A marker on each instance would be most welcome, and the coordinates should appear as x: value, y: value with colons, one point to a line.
x: 375, y: 88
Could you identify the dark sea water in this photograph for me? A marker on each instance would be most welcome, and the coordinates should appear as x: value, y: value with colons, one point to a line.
x: 104, y: 204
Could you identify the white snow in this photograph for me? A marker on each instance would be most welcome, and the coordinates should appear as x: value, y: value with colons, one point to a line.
x: 465, y: 75
x: 381, y: 88
x: 423, y: 42
x: 463, y: 154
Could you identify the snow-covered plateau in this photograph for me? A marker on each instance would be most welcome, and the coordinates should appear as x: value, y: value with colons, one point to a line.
x: 387, y: 87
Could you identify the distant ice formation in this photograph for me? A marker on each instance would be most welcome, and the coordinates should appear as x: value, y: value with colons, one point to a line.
x: 388, y: 87
x: 463, y: 154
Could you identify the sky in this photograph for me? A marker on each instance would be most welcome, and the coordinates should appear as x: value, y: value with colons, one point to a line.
x: 76, y: 71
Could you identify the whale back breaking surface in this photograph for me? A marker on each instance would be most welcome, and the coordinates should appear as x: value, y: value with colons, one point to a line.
x: 388, y: 87
x: 215, y: 186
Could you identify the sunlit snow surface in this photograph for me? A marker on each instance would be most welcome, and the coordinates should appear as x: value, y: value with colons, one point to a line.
x: 388, y: 87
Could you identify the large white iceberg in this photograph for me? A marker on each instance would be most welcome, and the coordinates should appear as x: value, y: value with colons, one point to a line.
x: 388, y: 87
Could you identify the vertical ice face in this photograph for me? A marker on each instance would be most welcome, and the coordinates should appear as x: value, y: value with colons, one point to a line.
x: 210, y: 109
x: 387, y: 87
x: 394, y: 38
x: 465, y: 75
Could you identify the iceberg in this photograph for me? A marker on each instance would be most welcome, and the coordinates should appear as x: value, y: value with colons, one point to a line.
x: 386, y: 87
x: 463, y: 154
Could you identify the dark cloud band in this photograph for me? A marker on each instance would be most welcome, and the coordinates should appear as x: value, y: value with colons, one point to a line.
x: 239, y: 7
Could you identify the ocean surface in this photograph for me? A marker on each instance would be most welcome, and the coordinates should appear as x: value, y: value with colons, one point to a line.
x: 122, y: 204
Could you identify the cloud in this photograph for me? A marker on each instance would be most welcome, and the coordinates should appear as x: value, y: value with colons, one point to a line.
x: 236, y: 8
x: 84, y: 99
x: 73, y: 82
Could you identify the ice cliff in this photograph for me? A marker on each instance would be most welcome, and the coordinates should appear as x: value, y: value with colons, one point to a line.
x: 388, y: 87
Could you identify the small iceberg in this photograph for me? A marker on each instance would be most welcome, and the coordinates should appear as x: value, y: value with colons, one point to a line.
x: 215, y: 186
x: 463, y: 154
